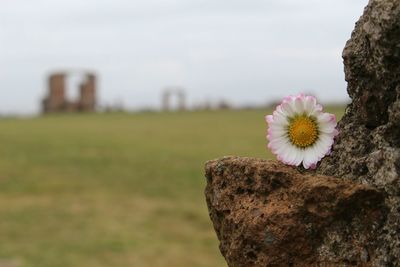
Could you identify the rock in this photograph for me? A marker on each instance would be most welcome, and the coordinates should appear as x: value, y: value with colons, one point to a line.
x: 347, y: 212
x: 269, y: 214
x: 368, y: 146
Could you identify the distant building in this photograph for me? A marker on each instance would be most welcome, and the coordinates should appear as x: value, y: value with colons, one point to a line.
x: 56, y: 100
x: 223, y: 105
x: 170, y: 92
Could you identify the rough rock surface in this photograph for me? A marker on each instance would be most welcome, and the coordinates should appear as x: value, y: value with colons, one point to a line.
x: 368, y: 146
x: 269, y: 214
x: 347, y: 213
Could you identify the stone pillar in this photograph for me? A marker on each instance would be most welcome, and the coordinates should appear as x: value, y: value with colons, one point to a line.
x: 166, y: 99
x: 165, y: 105
x: 55, y: 101
x: 88, y: 94
x: 181, y: 100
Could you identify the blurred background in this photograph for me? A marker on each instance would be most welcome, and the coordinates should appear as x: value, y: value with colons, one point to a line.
x: 109, y: 109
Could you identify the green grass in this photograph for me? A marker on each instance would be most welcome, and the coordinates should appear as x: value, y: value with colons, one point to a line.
x: 116, y: 189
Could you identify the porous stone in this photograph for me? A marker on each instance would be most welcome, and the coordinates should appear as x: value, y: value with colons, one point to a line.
x: 347, y: 212
x: 269, y: 214
x: 367, y: 149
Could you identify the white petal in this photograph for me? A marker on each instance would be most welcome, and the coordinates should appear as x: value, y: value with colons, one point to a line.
x: 316, y: 111
x: 320, y: 149
x: 280, y: 119
x: 276, y: 134
x: 325, y: 142
x: 326, y: 122
x: 325, y: 117
x: 292, y: 155
x: 278, y: 142
x: 299, y: 157
x: 326, y: 128
x: 323, y: 146
x: 281, y: 111
x: 276, y: 127
x: 310, y: 158
x: 279, y: 123
x: 309, y: 104
x: 281, y: 146
x: 299, y: 105
x: 278, y: 145
x: 289, y: 155
x: 288, y: 109
x: 269, y: 118
x: 291, y: 102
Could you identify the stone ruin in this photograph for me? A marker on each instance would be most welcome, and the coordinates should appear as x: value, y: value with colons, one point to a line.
x: 168, y: 94
x: 347, y: 211
x: 56, y: 100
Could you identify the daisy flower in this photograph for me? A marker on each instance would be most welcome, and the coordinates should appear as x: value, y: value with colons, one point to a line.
x: 299, y: 132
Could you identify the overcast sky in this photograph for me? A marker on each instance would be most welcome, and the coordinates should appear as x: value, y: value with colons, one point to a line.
x: 244, y: 51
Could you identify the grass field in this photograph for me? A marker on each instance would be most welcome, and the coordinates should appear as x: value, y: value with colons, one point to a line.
x: 116, y: 189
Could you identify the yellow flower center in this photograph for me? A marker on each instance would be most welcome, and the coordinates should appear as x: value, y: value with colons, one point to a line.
x: 303, y: 131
